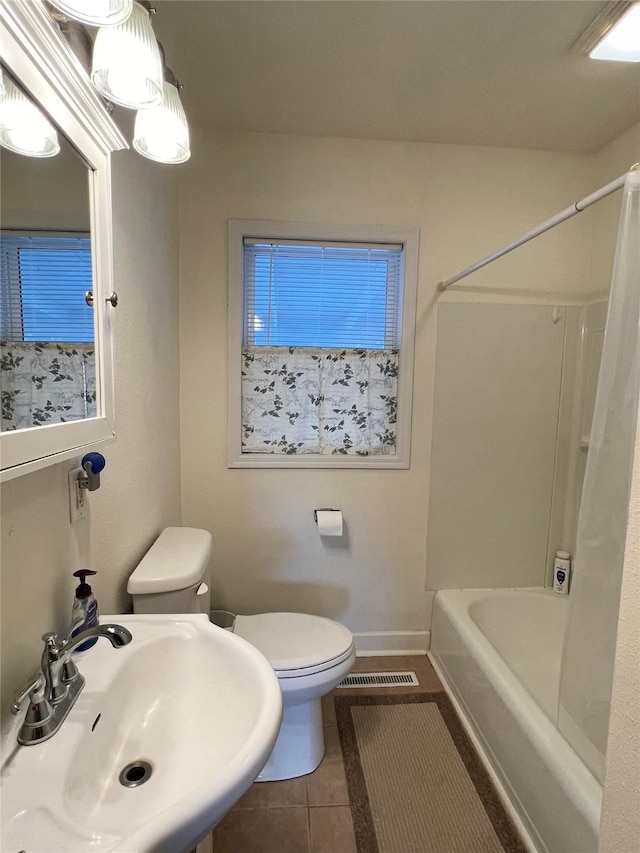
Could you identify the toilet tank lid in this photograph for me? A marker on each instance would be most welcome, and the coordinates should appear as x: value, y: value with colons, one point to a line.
x: 176, y: 560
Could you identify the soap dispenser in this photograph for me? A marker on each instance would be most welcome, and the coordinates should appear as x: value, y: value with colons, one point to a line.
x: 84, y: 614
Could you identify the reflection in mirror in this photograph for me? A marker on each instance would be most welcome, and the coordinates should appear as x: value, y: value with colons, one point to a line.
x: 46, y: 326
x: 23, y: 126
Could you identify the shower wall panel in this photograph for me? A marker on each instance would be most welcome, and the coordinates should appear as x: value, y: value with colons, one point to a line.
x: 498, y: 375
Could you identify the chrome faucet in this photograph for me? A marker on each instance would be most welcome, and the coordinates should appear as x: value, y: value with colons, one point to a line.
x: 53, y: 691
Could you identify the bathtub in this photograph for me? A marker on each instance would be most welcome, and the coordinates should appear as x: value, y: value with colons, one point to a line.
x: 498, y: 655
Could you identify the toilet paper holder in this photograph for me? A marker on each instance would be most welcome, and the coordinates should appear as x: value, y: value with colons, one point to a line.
x: 323, y: 509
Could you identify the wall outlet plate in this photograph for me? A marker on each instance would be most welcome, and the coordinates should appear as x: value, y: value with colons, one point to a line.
x: 77, y: 496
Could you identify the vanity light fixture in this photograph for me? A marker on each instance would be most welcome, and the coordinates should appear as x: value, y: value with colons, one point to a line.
x: 162, y: 133
x: 128, y: 69
x: 23, y: 127
x: 96, y: 13
x: 613, y: 35
x: 127, y: 65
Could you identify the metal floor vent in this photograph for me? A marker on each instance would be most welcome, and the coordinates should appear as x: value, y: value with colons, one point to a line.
x: 379, y: 679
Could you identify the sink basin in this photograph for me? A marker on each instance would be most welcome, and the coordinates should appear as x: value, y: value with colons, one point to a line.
x: 192, y: 703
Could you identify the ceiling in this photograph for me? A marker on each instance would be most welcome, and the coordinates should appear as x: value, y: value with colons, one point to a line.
x: 483, y: 72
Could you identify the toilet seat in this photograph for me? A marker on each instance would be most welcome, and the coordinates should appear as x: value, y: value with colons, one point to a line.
x: 296, y: 644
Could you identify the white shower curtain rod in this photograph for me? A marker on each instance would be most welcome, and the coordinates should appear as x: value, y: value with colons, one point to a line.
x: 578, y: 207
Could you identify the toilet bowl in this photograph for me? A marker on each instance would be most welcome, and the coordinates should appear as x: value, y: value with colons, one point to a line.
x: 309, y: 654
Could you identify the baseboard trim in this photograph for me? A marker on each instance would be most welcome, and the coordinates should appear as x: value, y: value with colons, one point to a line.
x: 379, y: 643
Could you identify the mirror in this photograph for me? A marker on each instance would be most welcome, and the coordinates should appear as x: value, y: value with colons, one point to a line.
x: 47, y: 336
x: 55, y: 245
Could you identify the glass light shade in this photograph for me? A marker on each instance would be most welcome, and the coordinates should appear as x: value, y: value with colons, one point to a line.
x: 23, y: 127
x: 97, y: 13
x: 622, y: 42
x: 2, y: 88
x: 127, y: 65
x: 162, y: 134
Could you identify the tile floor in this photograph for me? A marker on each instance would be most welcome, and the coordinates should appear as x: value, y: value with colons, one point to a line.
x: 310, y: 814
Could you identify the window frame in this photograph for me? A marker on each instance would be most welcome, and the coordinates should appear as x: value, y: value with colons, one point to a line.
x: 408, y: 238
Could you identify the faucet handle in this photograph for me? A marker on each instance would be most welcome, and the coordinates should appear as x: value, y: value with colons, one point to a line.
x: 39, y: 712
x: 31, y: 690
x: 57, y: 690
x: 50, y: 639
x: 52, y: 647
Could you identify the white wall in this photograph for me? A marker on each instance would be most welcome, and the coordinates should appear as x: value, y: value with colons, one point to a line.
x: 466, y: 201
x: 140, y: 491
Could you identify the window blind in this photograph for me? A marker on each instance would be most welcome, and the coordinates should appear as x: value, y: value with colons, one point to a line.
x: 44, y: 280
x: 322, y: 294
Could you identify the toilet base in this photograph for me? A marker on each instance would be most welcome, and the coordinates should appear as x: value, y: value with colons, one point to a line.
x: 300, y: 744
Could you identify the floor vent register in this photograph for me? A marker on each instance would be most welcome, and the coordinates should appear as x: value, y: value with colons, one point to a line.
x: 379, y: 679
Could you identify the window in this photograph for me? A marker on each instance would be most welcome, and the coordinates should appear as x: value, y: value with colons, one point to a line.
x: 44, y: 280
x: 317, y: 295
x: 47, y: 353
x: 321, y: 345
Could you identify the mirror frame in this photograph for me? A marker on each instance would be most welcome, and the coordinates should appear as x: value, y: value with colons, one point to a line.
x: 34, y: 51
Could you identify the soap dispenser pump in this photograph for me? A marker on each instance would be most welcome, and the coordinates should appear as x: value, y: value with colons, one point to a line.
x: 84, y: 613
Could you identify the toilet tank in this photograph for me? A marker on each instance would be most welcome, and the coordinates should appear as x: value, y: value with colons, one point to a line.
x: 172, y: 576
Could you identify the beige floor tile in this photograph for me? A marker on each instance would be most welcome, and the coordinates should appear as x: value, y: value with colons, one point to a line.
x: 331, y: 830
x: 327, y: 786
x: 429, y: 681
x: 263, y: 831
x: 333, y: 750
x: 311, y: 814
x: 375, y: 664
x: 392, y: 662
x: 329, y: 710
x: 289, y: 792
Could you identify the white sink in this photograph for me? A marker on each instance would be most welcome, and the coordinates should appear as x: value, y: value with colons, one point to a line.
x: 198, y: 703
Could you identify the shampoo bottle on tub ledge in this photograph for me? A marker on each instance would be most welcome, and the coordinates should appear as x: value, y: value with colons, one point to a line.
x: 562, y: 572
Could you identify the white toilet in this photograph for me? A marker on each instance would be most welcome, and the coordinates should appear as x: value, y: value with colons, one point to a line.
x: 310, y: 654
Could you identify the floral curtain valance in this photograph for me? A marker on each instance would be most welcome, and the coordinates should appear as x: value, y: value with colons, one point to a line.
x: 321, y: 401
x: 46, y: 383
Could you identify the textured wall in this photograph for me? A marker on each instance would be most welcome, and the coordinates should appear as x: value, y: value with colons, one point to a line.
x: 140, y: 491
